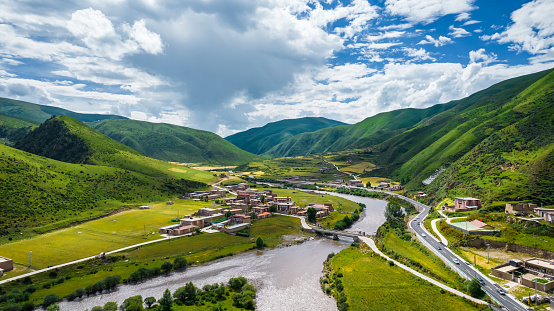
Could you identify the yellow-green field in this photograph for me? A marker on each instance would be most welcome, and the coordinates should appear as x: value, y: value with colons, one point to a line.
x: 93, y: 237
x: 370, y: 282
x: 302, y: 199
x: 358, y: 168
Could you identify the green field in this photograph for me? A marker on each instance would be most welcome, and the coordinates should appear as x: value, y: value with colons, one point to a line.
x: 370, y: 281
x: 417, y: 256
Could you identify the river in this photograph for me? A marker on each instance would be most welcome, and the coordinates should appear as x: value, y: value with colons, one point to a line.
x: 287, y: 278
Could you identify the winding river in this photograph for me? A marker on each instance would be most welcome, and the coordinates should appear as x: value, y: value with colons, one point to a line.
x: 287, y: 278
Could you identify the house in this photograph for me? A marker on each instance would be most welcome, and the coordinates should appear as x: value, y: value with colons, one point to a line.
x: 302, y: 213
x: 167, y: 229
x: 6, y: 264
x: 533, y: 273
x: 340, y: 181
x: 318, y: 206
x: 282, y: 199
x: 324, y: 170
x: 542, y: 211
x: 242, y: 186
x: 263, y: 215
x: 177, y: 229
x: 549, y: 217
x: 197, y: 221
x: 260, y: 209
x: 240, y: 219
x: 356, y: 183
x: 396, y: 188
x: 467, y: 203
x: 519, y: 209
x: 288, y: 208
x: 384, y: 185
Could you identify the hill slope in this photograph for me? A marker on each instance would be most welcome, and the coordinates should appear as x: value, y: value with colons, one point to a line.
x: 38, y: 194
x: 41, y: 113
x: 364, y: 134
x: 174, y: 143
x: 261, y: 139
x: 67, y: 139
x: 13, y: 129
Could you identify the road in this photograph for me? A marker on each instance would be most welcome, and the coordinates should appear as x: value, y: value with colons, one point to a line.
x: 463, y: 268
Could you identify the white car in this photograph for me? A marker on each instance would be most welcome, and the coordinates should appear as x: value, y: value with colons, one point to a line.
x: 456, y: 261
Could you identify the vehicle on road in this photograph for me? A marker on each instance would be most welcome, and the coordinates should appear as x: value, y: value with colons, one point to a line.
x: 438, y: 247
x: 501, y: 291
x: 481, y: 281
x: 423, y: 235
x: 456, y: 261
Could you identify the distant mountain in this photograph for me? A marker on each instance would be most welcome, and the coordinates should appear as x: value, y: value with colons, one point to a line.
x: 363, y: 134
x: 259, y: 140
x: 174, y: 143
x: 13, y: 129
x: 41, y: 113
x: 67, y: 139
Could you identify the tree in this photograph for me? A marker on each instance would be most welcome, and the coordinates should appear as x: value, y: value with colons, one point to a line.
x: 393, y: 211
x: 49, y: 300
x: 311, y: 214
x: 53, y: 307
x: 260, y: 242
x: 80, y: 292
x: 273, y: 208
x: 368, y: 185
x: 110, y: 306
x: 237, y: 283
x: 474, y: 288
x: 186, y: 294
x: 166, y: 302
x: 179, y: 263
x: 97, y: 308
x: 28, y: 306
x: 228, y: 214
x: 149, y: 301
x: 167, y: 267
x: 132, y: 303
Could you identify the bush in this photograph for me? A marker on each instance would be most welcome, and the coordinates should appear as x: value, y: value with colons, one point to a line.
x: 237, y: 283
x: 49, y: 300
x: 179, y: 263
x: 260, y: 242
x: 30, y: 289
x: 391, y: 263
x: 167, y: 267
x: 28, y: 306
x: 110, y: 306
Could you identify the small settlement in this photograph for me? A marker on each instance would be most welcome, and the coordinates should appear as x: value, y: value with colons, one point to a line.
x: 247, y: 205
x: 6, y: 264
x: 534, y: 273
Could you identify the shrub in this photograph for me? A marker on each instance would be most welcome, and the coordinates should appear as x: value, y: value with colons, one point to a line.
x: 49, y: 300
x: 110, y: 306
x: 391, y: 263
x: 179, y: 263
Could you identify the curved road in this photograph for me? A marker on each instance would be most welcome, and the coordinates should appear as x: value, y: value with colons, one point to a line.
x: 462, y: 267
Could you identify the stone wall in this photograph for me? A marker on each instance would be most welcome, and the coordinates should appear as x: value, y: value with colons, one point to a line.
x: 481, y: 243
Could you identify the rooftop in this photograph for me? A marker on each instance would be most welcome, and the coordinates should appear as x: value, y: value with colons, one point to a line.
x: 541, y: 263
x: 507, y: 269
x: 465, y: 199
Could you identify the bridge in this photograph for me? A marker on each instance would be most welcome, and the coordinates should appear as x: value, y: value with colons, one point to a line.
x: 336, y: 234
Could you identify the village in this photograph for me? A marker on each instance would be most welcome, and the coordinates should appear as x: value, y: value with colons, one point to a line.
x: 235, y: 214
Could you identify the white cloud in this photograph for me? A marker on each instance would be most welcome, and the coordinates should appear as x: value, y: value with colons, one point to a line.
x: 385, y: 35
x: 149, y: 41
x: 532, y: 29
x: 463, y: 16
x: 458, y: 32
x: 358, y: 13
x: 417, y: 54
x: 440, y: 41
x: 481, y: 55
x: 418, y: 11
x: 471, y: 22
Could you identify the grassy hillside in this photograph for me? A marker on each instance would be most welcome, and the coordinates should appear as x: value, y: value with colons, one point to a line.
x: 513, y: 150
x: 13, y: 129
x: 364, y: 134
x: 66, y: 139
x: 41, y: 113
x: 174, y: 143
x: 38, y: 194
x: 261, y: 139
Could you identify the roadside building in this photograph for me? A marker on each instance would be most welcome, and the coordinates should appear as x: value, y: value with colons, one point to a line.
x: 549, y: 217
x: 260, y: 209
x: 319, y: 206
x: 167, y: 229
x: 396, y: 188
x: 324, y: 170
x: 6, y: 264
x: 467, y: 203
x: 384, y: 185
x: 541, y: 212
x: 534, y: 272
x: 519, y: 209
x: 356, y: 183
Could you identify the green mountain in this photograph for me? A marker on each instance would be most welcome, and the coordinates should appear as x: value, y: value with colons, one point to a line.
x: 13, y: 129
x: 66, y: 139
x: 261, y: 139
x: 41, y: 113
x: 364, y: 134
x: 174, y: 143
x: 38, y: 194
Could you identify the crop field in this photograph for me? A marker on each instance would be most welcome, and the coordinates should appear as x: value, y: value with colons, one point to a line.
x: 358, y: 168
x: 370, y: 281
x: 302, y: 199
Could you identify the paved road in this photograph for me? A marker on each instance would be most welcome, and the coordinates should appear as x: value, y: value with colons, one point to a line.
x: 463, y: 268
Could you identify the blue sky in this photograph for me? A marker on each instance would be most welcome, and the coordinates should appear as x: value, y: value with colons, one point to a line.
x: 229, y: 65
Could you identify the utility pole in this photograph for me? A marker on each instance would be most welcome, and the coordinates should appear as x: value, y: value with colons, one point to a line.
x: 536, y: 300
x: 488, y: 251
x: 30, y: 258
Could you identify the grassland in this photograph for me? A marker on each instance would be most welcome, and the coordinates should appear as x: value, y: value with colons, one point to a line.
x: 370, y: 281
x: 415, y: 255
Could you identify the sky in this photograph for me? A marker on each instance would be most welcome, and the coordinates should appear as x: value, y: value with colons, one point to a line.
x: 229, y: 65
